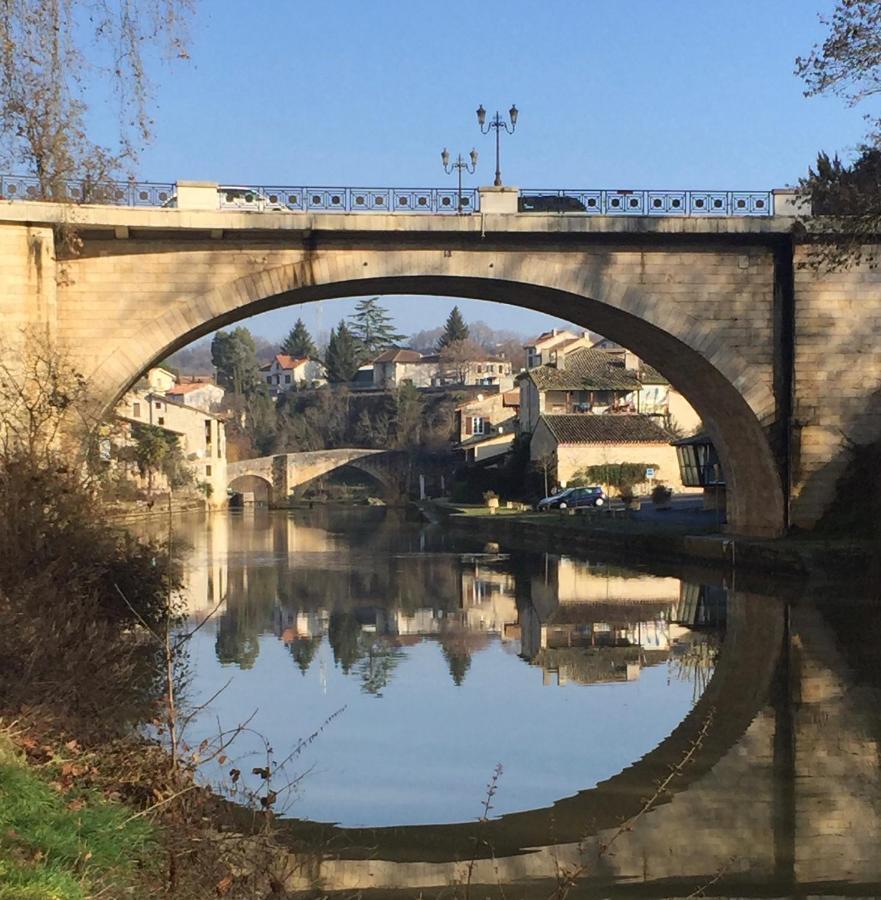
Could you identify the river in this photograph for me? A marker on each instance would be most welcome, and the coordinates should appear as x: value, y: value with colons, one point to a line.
x: 424, y: 702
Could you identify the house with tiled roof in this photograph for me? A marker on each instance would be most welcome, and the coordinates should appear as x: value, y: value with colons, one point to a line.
x: 591, y: 380
x: 545, y: 349
x: 584, y: 381
x: 395, y: 366
x: 285, y: 373
x: 487, y: 425
x: 202, y: 395
x: 568, y: 444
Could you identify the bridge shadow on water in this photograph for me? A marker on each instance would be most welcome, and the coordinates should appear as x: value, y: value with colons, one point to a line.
x: 776, y: 768
x: 780, y: 794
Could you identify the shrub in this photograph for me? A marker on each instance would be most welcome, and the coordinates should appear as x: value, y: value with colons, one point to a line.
x: 661, y: 494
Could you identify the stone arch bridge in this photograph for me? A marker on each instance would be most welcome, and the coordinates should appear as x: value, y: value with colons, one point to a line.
x: 284, y: 473
x: 779, y: 361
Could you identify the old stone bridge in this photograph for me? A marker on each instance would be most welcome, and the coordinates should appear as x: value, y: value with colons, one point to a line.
x: 779, y: 361
x: 283, y: 473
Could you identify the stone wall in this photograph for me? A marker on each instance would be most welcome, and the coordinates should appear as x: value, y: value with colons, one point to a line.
x: 693, y: 298
x: 837, y: 377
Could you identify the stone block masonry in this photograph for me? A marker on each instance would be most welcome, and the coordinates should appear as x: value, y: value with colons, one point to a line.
x: 698, y: 299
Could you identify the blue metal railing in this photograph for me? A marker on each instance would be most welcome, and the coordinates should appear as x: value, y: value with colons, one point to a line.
x: 407, y: 200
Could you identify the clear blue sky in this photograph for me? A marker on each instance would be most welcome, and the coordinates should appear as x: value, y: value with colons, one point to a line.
x: 642, y: 93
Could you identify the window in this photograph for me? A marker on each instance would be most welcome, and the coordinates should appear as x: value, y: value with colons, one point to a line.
x: 208, y: 433
x: 160, y: 420
x: 207, y: 471
x: 136, y: 410
x: 287, y: 379
x: 479, y: 425
x: 158, y: 405
x: 269, y: 379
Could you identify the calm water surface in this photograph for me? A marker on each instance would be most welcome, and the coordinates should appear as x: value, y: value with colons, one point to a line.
x: 421, y: 662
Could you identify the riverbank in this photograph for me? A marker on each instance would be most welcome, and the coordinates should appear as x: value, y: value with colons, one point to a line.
x: 114, y: 819
x: 58, y: 837
x: 626, y: 539
x: 124, y: 512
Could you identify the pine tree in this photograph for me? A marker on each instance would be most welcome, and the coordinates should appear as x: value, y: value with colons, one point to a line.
x: 455, y: 329
x: 372, y: 327
x: 299, y: 343
x: 343, y: 355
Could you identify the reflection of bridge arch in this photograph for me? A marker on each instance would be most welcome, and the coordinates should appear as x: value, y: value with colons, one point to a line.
x: 736, y: 692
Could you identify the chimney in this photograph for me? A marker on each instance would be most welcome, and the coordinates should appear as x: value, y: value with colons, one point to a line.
x: 561, y: 361
x: 631, y: 361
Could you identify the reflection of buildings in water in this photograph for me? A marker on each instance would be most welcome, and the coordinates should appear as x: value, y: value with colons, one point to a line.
x: 589, y: 623
x: 488, y: 598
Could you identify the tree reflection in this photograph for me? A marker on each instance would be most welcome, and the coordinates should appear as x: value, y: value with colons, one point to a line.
x: 380, y: 659
x: 343, y: 633
x: 303, y: 651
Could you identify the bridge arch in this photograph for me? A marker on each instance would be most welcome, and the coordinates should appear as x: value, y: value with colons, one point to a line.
x: 734, y: 401
x: 248, y: 481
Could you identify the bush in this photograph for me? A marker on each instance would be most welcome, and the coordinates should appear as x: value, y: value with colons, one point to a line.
x: 76, y: 597
x: 661, y: 494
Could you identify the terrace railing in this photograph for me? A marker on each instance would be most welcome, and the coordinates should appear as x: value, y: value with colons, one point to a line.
x: 267, y: 198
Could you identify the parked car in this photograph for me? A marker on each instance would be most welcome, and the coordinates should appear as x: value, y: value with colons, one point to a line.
x: 550, y: 203
x: 572, y: 498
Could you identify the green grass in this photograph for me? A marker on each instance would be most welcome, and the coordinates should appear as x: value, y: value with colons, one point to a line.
x: 62, y: 846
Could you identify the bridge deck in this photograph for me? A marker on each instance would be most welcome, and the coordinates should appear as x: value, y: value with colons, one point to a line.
x: 118, y: 218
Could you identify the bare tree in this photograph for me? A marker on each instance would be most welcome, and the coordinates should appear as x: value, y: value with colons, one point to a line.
x: 56, y: 56
x: 43, y: 399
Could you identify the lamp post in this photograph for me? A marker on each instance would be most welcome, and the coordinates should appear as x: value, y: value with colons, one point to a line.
x: 459, y: 165
x: 498, y: 123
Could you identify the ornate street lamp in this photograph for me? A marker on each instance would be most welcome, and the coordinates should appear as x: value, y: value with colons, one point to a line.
x: 498, y: 123
x: 459, y: 165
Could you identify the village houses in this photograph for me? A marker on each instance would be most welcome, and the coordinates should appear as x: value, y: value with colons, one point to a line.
x: 394, y: 367
x: 285, y: 373
x: 199, y: 432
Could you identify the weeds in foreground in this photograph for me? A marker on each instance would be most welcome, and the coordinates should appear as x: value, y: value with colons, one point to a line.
x: 58, y: 839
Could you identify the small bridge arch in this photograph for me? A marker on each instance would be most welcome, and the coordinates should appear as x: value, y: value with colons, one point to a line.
x: 285, y: 472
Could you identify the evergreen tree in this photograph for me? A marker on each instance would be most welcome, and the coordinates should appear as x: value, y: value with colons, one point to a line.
x: 371, y: 326
x: 299, y: 343
x: 343, y: 355
x: 455, y: 329
x: 234, y: 355
x: 408, y: 415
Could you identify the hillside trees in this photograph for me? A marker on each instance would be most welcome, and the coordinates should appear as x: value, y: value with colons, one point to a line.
x: 372, y: 327
x: 455, y: 329
x: 299, y: 343
x: 343, y: 355
x: 57, y: 58
x: 234, y: 355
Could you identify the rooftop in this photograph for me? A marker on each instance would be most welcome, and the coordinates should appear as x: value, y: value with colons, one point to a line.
x: 180, y: 389
x: 396, y: 354
x: 582, y: 428
x: 585, y: 369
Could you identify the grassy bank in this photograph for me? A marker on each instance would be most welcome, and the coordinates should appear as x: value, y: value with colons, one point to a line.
x: 58, y: 840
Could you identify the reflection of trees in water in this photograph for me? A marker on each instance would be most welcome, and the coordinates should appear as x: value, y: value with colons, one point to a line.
x: 379, y: 660
x: 303, y: 651
x: 695, y: 661
x: 458, y: 644
x: 373, y: 657
x: 250, y: 601
x: 343, y: 633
